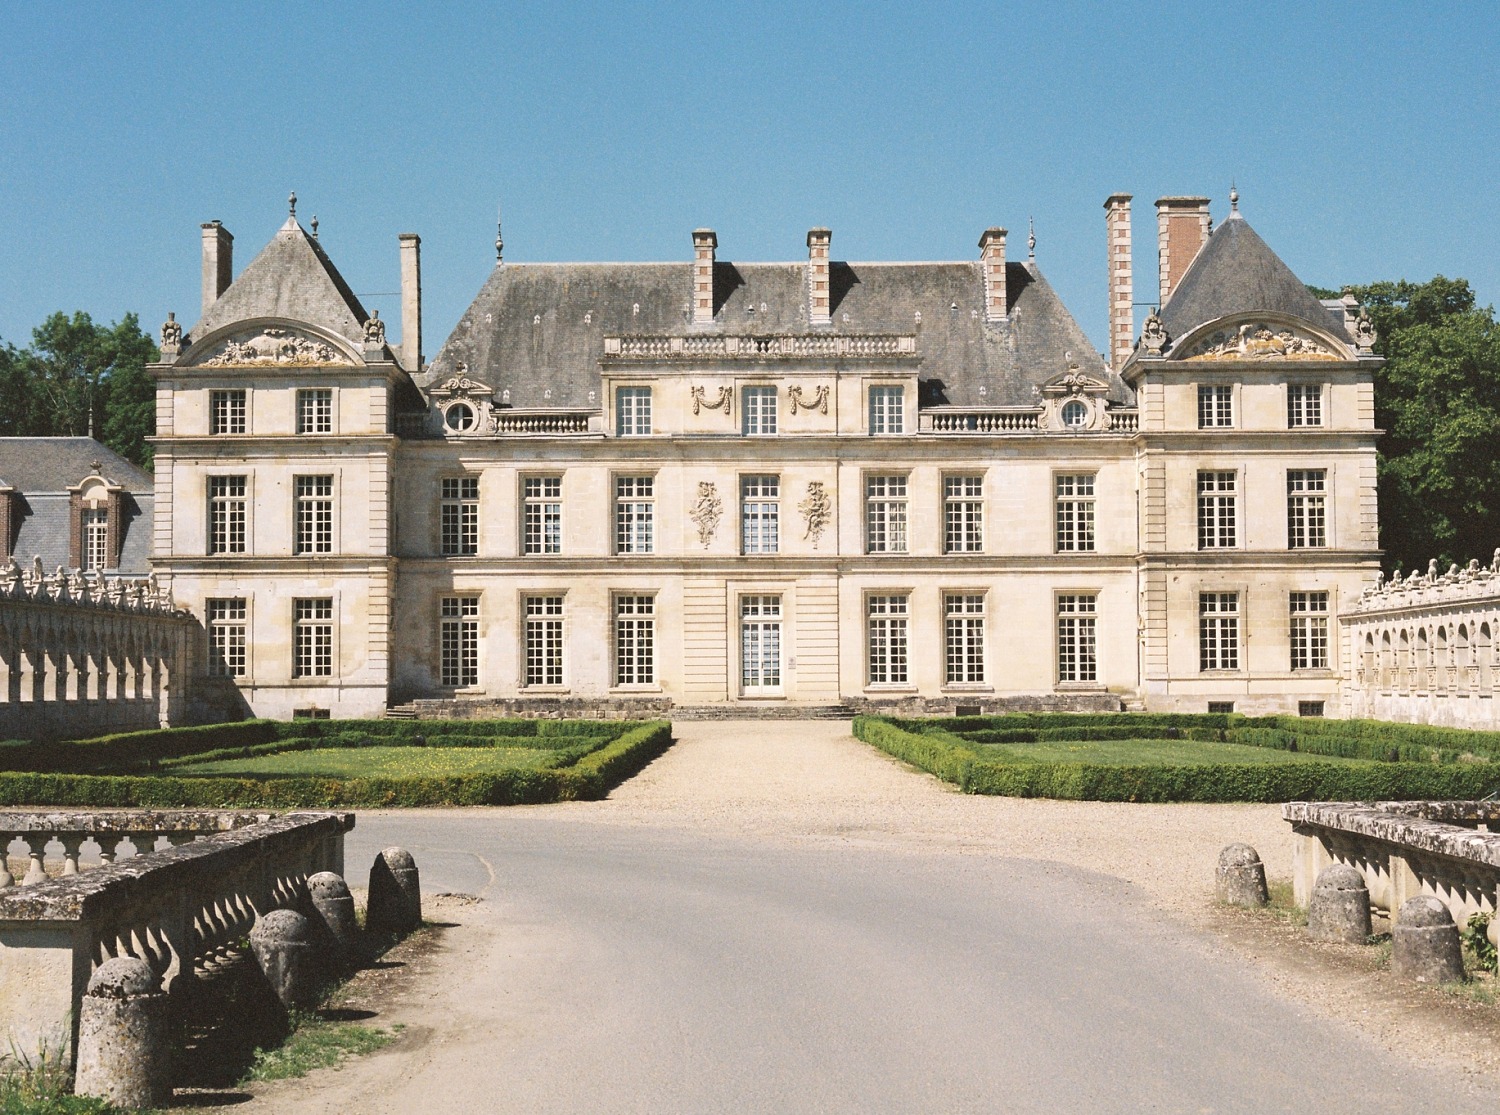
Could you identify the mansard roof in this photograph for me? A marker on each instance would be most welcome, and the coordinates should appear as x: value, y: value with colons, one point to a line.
x: 537, y: 328
x: 1237, y: 272
x: 293, y: 278
x: 40, y: 465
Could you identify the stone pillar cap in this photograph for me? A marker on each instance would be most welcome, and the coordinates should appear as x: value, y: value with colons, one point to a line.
x: 1340, y: 877
x: 124, y: 977
x: 1422, y: 912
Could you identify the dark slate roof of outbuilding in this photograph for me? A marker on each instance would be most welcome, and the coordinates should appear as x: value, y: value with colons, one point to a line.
x: 1236, y: 272
x: 538, y: 327
x: 292, y: 277
x: 52, y: 464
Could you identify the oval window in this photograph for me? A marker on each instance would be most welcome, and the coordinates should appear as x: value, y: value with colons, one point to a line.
x: 1075, y: 415
x: 459, y: 417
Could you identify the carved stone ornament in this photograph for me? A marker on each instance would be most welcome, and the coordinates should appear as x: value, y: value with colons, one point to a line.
x: 460, y: 385
x: 1364, y: 331
x: 795, y: 401
x: 375, y: 329
x: 724, y: 402
x: 1258, y: 341
x: 171, y: 335
x: 274, y: 347
x: 817, y: 511
x: 1153, y: 336
x: 707, y: 511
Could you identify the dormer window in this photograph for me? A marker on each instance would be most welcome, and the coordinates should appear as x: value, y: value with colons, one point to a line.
x: 94, y: 538
x: 1075, y: 414
x: 460, y: 418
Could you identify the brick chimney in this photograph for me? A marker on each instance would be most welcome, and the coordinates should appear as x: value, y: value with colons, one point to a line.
x: 704, y: 243
x: 218, y: 262
x: 1121, y: 286
x: 992, y: 263
x: 819, y: 299
x: 1181, y: 229
x: 411, y: 301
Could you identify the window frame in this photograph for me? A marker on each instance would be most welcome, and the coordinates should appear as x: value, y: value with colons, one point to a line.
x: 313, y: 519
x: 458, y: 516
x: 551, y: 629
x: 764, y: 618
x: 1077, y: 634
x: 227, y: 636
x: 535, y: 512
x: 313, y: 651
x: 768, y: 521
x: 1296, y: 411
x: 887, y: 512
x: 1217, y: 406
x: 1221, y: 654
x: 888, y: 640
x: 1307, y: 518
x: 228, y: 411
x: 758, y: 418
x: 1308, y: 643
x: 630, y: 419
x: 634, y: 513
x: 1214, y: 524
x: 961, y: 621
x: 1076, y: 510
x: 315, y: 403
x: 458, y: 640
x: 878, y: 417
x: 963, y: 513
x: 633, y: 618
x: 228, y: 515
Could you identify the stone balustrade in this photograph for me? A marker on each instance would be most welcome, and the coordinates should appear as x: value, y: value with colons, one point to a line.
x: 871, y: 346
x: 176, y: 908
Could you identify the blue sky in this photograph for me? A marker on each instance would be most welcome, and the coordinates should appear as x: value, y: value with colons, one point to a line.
x: 1363, y: 137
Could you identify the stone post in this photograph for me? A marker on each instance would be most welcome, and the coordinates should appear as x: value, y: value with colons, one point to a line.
x: 1424, y: 942
x: 124, y: 1037
x: 1241, y: 877
x: 1340, y: 906
x: 283, y: 947
x: 394, y: 905
x: 334, y: 907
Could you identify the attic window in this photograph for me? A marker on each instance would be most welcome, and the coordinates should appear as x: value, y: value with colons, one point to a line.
x: 459, y: 418
x: 1075, y: 414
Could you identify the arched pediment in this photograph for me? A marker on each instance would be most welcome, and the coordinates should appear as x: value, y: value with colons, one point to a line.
x: 271, y: 343
x: 1260, y: 337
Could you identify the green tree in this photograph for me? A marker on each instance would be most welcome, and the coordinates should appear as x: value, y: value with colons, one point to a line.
x: 16, y: 402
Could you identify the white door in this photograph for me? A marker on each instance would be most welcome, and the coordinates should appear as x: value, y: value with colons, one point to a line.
x: 760, y: 646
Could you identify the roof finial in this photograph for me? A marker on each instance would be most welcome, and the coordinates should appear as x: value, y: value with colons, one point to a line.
x: 1234, y: 198
x: 291, y: 203
x: 315, y: 226
x: 499, y: 240
x: 1031, y: 240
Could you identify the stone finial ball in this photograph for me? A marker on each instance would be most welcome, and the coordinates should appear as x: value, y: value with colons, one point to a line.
x: 124, y: 977
x: 1423, y: 911
x: 281, y: 925
x: 398, y: 859
x: 1238, y: 855
x: 1340, y: 877
x: 326, y: 884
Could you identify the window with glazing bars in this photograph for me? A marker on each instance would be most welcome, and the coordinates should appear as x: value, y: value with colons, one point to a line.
x: 542, y: 496
x: 544, y: 640
x: 95, y: 537
x: 314, y: 515
x: 758, y: 410
x: 315, y: 410
x: 227, y: 648
x: 458, y: 515
x: 1217, y: 526
x: 458, y: 638
x: 963, y: 514
x: 226, y: 412
x: 1075, y: 513
x: 885, y: 514
x: 226, y: 514
x: 1306, y: 511
x: 887, y: 410
x: 635, y: 514
x: 760, y: 514
x: 1077, y: 654
x: 964, y: 637
x: 1218, y: 631
x: 632, y: 411
x: 760, y: 642
x: 1304, y: 404
x: 312, y: 646
x: 1215, y: 406
x: 887, y: 617
x: 1309, y: 630
x: 635, y: 640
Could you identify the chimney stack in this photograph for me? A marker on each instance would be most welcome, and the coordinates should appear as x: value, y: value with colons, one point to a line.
x: 819, y: 299
x: 1121, y: 286
x: 218, y: 262
x: 1181, y: 229
x: 411, y: 301
x: 704, y: 243
x: 992, y: 262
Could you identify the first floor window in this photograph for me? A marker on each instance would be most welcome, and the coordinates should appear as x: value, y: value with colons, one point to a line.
x: 458, y: 636
x: 964, y: 622
x: 887, y: 410
x: 760, y: 514
x: 95, y: 537
x: 1075, y: 513
x: 760, y: 643
x: 312, y: 650
x: 1218, y: 631
x: 1077, y: 647
x: 1304, y: 405
x: 227, y: 656
x: 635, y: 640
x: 632, y: 411
x: 1309, y: 630
x: 1306, y: 509
x: 1217, y: 526
x: 314, y: 515
x: 226, y: 514
x: 635, y: 507
x: 544, y: 640
x: 542, y: 496
x: 758, y: 411
x: 963, y: 514
x: 315, y: 410
x: 887, y: 639
x: 885, y: 514
x: 459, y: 512
x: 1215, y: 406
x: 226, y: 412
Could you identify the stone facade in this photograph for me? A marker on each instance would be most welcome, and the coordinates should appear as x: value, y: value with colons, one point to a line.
x: 768, y: 486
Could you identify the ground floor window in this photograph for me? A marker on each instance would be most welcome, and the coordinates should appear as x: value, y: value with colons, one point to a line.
x: 1077, y: 653
x: 458, y: 638
x: 760, y: 643
x: 635, y: 640
x: 964, y: 636
x: 227, y: 653
x: 312, y: 652
x: 1218, y: 631
x: 1309, y: 630
x: 887, y: 639
x: 544, y: 640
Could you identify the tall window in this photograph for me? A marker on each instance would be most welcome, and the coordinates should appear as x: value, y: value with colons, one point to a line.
x: 1077, y: 647
x: 1306, y: 511
x: 760, y: 514
x: 458, y: 639
x: 315, y: 410
x: 635, y: 514
x: 458, y: 515
x: 314, y: 515
x: 885, y: 514
x: 1309, y: 630
x: 1218, y: 631
x: 963, y: 514
x: 1216, y: 510
x: 312, y: 647
x: 760, y: 643
x: 226, y: 514
x: 1075, y: 513
x: 758, y: 410
x: 542, y: 496
x: 964, y: 636
x: 887, y: 639
x: 1304, y: 405
x: 544, y: 640
x: 226, y: 412
x: 95, y: 537
x: 1215, y: 406
x: 632, y: 411
x: 635, y: 640
x: 226, y: 637
x: 887, y: 410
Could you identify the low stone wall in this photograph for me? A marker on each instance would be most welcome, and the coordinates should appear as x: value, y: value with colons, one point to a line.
x: 172, y: 908
x: 987, y: 705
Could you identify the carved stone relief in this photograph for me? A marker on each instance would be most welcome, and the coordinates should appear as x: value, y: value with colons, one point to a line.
x: 817, y: 511
x: 795, y: 401
x: 707, y: 511
x: 1258, y: 341
x: 274, y: 347
x: 724, y: 402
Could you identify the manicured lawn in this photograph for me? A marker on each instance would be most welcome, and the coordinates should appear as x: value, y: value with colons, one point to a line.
x: 375, y: 762
x: 1131, y: 752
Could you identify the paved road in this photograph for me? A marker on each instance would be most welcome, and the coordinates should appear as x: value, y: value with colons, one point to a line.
x: 638, y: 967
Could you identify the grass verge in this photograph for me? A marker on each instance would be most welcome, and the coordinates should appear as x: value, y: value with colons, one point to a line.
x: 317, y: 1043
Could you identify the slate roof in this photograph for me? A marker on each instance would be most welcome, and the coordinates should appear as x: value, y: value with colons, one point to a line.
x: 52, y: 464
x: 536, y: 327
x: 292, y: 277
x: 41, y: 469
x: 1236, y: 272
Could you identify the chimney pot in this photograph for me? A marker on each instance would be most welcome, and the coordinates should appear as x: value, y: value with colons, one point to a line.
x: 1181, y: 230
x: 704, y: 244
x: 411, y: 301
x: 992, y: 263
x: 819, y: 299
x: 218, y: 262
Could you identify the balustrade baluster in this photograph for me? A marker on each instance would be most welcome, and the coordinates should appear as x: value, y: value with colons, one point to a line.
x: 6, y: 878
x: 72, y: 843
x: 35, y: 846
